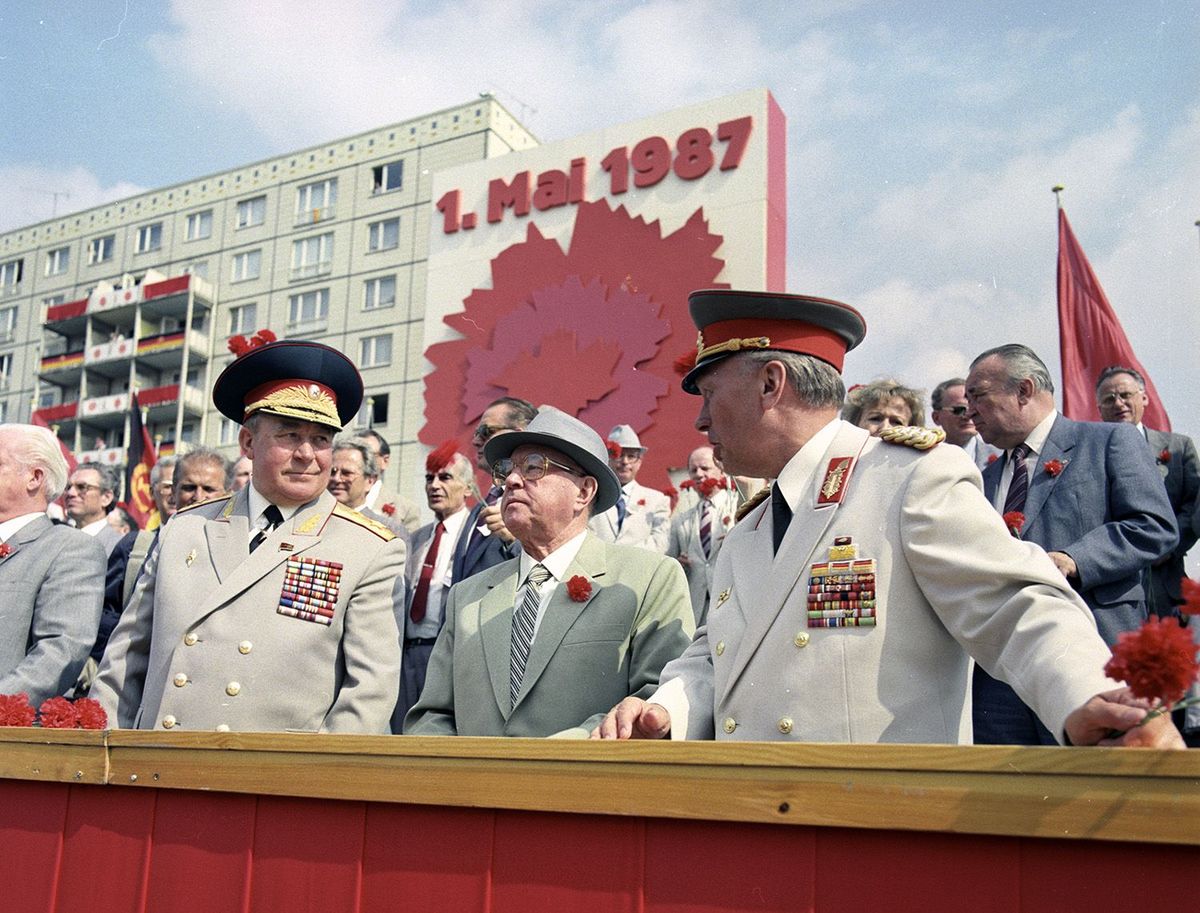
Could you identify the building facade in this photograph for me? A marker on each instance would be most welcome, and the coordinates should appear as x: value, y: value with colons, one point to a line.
x: 327, y: 243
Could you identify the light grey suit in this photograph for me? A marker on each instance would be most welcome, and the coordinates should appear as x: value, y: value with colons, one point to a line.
x: 685, y: 540
x: 949, y: 580
x: 647, y: 524
x: 51, y: 593
x: 207, y: 642
x: 587, y: 655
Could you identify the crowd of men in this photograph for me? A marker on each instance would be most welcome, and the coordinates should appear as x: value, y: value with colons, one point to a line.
x: 828, y: 571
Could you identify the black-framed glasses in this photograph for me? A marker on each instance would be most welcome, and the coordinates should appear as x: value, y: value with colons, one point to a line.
x: 959, y: 410
x: 484, y: 433
x: 532, y: 468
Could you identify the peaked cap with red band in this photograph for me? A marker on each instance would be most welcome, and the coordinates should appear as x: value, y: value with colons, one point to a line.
x: 301, y: 380
x: 732, y: 321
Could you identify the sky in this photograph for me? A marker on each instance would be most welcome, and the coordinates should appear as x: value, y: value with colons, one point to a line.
x: 923, y: 137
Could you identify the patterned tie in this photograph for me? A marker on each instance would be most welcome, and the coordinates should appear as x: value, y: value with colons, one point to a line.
x: 781, y: 516
x: 706, y: 528
x: 622, y: 511
x: 1019, y: 487
x: 522, y: 628
x: 274, y: 519
x: 421, y: 595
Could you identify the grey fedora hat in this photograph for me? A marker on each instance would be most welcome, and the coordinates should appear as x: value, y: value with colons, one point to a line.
x: 555, y: 429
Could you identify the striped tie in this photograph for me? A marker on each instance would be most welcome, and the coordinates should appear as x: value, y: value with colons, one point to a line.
x: 706, y: 528
x: 522, y: 628
x: 1018, y: 488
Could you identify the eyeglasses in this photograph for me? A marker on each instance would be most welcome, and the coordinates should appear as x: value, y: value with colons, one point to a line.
x: 960, y: 411
x: 82, y: 488
x: 484, y: 433
x: 1127, y: 396
x: 532, y: 468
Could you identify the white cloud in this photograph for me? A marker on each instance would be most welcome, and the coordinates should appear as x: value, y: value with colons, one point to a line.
x: 31, y: 193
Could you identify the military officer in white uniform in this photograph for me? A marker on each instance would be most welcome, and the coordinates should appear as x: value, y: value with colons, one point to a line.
x: 270, y: 609
x: 845, y: 604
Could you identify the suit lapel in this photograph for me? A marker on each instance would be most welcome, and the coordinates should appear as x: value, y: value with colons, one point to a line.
x: 563, y: 611
x: 495, y: 631
x: 790, y: 566
x: 1059, y: 443
x: 228, y: 536
x: 28, y: 533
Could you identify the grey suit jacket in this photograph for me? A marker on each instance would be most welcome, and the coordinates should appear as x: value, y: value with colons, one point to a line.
x: 647, y: 521
x: 51, y: 593
x: 1107, y: 509
x: 1180, y: 471
x: 210, y: 641
x: 949, y: 581
x: 586, y: 657
x: 685, y: 541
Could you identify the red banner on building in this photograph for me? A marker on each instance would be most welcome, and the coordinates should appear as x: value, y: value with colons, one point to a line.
x: 1090, y: 337
x: 139, y: 500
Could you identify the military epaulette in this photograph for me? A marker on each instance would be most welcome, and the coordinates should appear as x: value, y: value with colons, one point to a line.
x: 914, y: 436
x: 349, y: 513
x: 757, y: 498
x: 218, y: 498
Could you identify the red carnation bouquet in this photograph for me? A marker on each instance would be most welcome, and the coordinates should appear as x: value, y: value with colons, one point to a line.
x: 56, y: 713
x: 711, y: 485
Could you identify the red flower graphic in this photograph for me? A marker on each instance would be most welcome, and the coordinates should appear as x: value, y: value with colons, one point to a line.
x: 5, y: 550
x: 91, y: 714
x: 1054, y: 468
x: 1191, y: 596
x: 58, y: 713
x: 1157, y: 661
x: 1164, y: 456
x: 592, y: 329
x: 1014, y: 520
x: 15, y: 710
x: 579, y: 588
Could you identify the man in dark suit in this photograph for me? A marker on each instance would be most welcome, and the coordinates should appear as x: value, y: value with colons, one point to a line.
x: 1087, y: 492
x: 488, y: 541
x: 51, y: 576
x: 1121, y: 397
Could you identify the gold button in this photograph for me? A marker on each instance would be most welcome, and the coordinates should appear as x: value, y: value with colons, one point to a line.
x: 801, y: 639
x: 232, y: 689
x: 720, y: 647
x: 785, y: 725
x: 224, y: 727
x: 190, y: 638
x: 730, y: 724
x: 180, y: 679
x: 245, y: 647
x: 168, y: 722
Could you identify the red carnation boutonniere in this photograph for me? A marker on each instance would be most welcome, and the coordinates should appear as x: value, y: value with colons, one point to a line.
x: 1054, y: 468
x: 614, y: 449
x: 641, y: 502
x: 725, y: 520
x: 992, y: 457
x: 1164, y: 456
x: 5, y: 550
x: 579, y: 588
x: 1014, y: 520
x: 1158, y: 663
x: 389, y: 509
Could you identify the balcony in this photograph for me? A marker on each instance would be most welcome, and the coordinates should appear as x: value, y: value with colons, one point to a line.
x: 63, y: 370
x: 311, y: 270
x: 109, y: 456
x: 159, y: 297
x: 165, y: 351
x: 160, y: 402
x: 55, y: 414
x: 313, y: 216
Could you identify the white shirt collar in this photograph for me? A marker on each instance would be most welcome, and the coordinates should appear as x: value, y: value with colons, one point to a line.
x: 258, y: 504
x: 1036, y: 439
x: 14, y: 525
x: 798, y: 473
x: 94, y: 528
x: 556, y: 562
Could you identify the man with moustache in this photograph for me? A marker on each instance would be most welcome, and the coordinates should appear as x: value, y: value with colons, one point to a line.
x: 270, y: 609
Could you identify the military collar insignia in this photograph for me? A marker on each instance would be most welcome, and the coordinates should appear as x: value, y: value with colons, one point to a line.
x: 836, y: 476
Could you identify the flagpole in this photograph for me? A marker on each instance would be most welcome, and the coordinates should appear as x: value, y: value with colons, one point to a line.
x: 1057, y: 189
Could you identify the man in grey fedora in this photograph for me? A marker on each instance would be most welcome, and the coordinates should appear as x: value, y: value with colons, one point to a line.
x: 545, y: 643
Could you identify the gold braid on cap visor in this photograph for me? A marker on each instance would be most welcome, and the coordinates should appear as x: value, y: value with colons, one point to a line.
x: 730, y: 345
x: 307, y: 402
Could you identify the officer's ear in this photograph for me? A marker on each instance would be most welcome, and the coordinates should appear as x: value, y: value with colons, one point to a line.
x: 772, y: 382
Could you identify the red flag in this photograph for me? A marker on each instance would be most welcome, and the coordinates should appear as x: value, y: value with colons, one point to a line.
x: 1090, y: 337
x: 138, y: 498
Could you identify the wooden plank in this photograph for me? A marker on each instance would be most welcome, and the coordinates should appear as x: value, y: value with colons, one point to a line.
x: 62, y: 756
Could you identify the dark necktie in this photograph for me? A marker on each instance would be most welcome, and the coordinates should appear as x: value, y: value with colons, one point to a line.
x: 781, y: 516
x: 523, y: 624
x: 706, y: 528
x: 417, y: 611
x: 490, y: 499
x: 622, y: 511
x: 274, y: 519
x: 1018, y: 488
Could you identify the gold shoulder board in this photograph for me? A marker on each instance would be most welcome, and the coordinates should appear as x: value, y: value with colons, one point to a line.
x: 348, y: 513
x: 914, y: 436
x: 216, y: 500
x: 757, y: 498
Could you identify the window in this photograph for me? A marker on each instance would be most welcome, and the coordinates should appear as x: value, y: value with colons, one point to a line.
x: 58, y: 261
x: 387, y: 177
x: 188, y: 433
x: 243, y: 319
x: 251, y: 212
x: 198, y: 226
x: 315, y: 202
x: 100, y: 250
x: 375, y: 351
x: 383, y: 235
x: 4, y: 411
x: 148, y: 237
x: 6, y: 361
x: 379, y: 293
x: 11, y: 273
x: 373, y: 412
x: 247, y: 265
x: 309, y: 307
x: 8, y: 323
x: 199, y: 268
x: 52, y: 300
x: 228, y: 432
x: 312, y: 256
